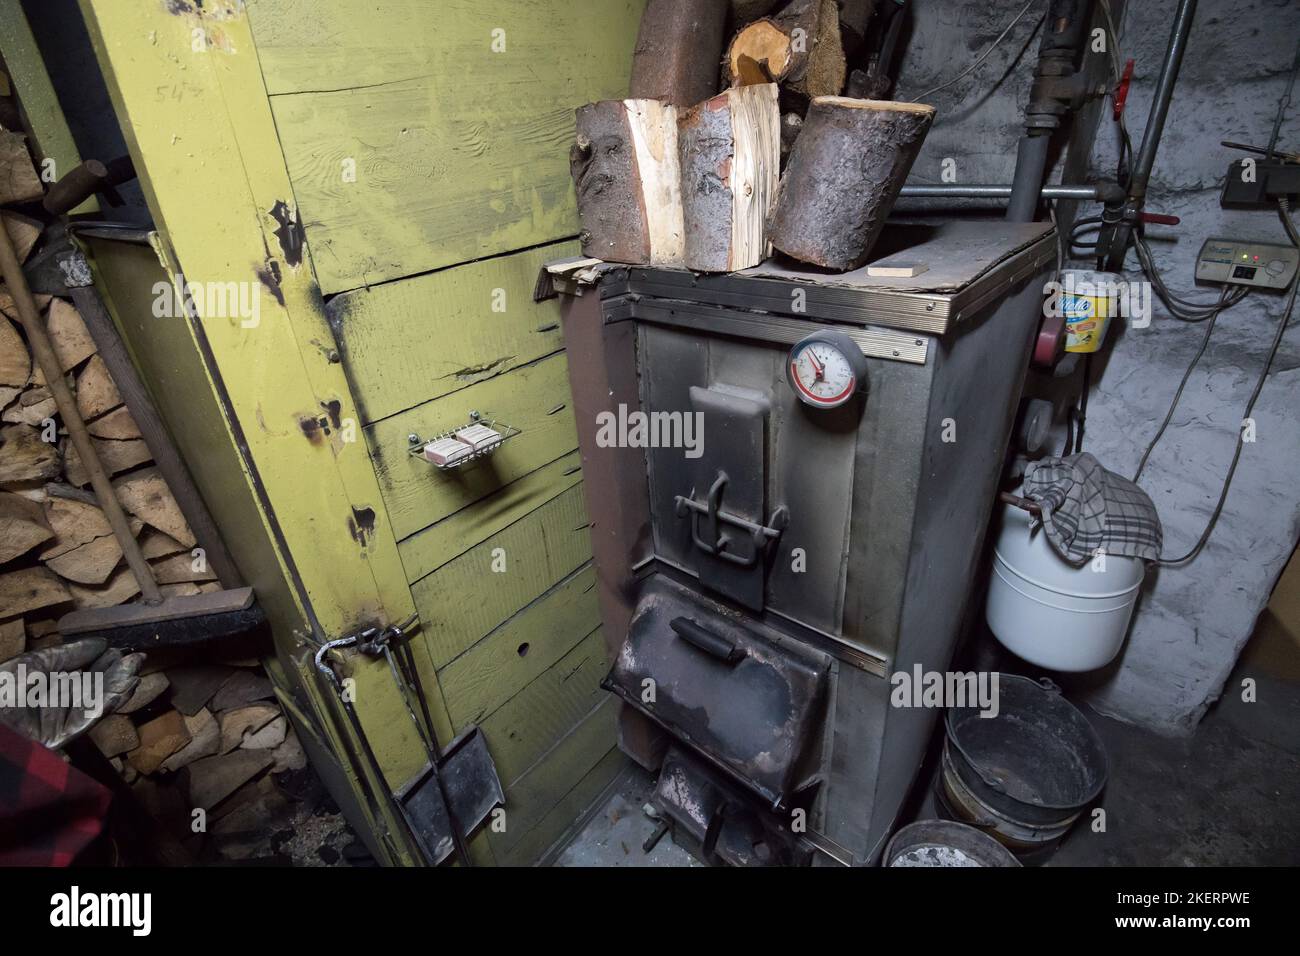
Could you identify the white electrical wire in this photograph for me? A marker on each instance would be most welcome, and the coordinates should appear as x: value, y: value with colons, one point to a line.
x: 983, y: 56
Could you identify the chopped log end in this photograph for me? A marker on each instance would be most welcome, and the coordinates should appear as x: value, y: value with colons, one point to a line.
x: 798, y: 47
x: 760, y: 53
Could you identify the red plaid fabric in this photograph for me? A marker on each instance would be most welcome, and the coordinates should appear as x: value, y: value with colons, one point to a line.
x: 49, y: 810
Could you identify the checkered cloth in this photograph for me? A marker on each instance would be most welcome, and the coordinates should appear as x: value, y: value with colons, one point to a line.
x: 1086, y: 508
x: 49, y: 810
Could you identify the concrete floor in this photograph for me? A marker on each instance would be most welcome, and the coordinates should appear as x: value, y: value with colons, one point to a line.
x: 1224, y: 796
x: 614, y: 835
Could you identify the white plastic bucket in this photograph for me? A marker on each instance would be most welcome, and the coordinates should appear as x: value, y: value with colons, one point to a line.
x: 1051, y: 613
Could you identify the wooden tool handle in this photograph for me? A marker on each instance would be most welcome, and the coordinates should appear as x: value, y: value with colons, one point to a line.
x: 74, y: 188
x: 43, y: 351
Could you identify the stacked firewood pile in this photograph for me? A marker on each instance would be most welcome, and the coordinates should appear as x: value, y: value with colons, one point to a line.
x: 681, y: 174
x: 193, y: 735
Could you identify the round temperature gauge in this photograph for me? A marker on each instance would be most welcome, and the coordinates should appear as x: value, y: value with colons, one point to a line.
x: 827, y: 368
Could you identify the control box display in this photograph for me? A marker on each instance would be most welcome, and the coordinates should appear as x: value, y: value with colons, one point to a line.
x: 1264, y: 265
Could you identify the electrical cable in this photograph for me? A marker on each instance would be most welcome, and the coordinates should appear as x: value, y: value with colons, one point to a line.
x: 1125, y: 141
x: 983, y: 56
x: 1205, y: 341
x: 1283, y: 102
x: 1180, y: 307
x: 1284, y: 209
x: 1082, y: 415
x: 1078, y: 228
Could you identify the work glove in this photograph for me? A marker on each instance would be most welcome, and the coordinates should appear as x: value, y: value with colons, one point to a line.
x: 56, y: 694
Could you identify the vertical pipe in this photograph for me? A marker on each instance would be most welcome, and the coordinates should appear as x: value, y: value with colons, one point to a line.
x: 1062, y: 36
x: 1114, y: 243
x: 1031, y: 166
x: 1164, y: 93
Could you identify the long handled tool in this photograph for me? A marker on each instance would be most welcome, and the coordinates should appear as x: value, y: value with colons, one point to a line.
x: 157, y: 615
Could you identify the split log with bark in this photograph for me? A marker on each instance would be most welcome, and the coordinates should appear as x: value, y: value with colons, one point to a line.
x: 730, y: 149
x: 15, y: 362
x: 625, y: 170
x: 843, y: 177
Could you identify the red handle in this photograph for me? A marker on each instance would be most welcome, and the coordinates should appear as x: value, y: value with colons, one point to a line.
x: 1121, y: 89
x: 1159, y: 218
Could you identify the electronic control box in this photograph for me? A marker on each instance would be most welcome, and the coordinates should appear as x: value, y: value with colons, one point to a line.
x: 1263, y: 265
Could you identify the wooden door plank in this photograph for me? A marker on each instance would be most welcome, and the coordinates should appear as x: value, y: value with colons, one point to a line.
x: 417, y: 339
x: 534, y: 399
x: 526, y: 725
x: 418, y: 138
x: 426, y: 551
x: 302, y: 42
x: 512, y: 655
x: 465, y: 599
x: 560, y: 820
x: 554, y: 777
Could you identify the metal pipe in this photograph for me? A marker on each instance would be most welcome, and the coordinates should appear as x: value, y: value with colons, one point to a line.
x: 1057, y: 52
x: 1031, y: 166
x: 1114, y: 241
x: 1098, y: 192
x: 1164, y: 93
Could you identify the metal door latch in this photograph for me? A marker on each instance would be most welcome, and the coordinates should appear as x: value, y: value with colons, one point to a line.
x: 717, y: 542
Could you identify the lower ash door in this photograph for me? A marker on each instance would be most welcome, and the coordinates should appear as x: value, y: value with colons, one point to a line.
x: 748, y: 699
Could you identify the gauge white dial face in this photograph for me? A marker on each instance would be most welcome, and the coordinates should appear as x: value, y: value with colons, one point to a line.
x: 821, y: 375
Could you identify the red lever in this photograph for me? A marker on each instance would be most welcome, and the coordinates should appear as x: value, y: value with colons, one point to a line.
x: 1159, y: 218
x: 1121, y: 89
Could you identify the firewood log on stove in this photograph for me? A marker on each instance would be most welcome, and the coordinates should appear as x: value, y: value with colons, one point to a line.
x: 843, y: 177
x: 798, y: 47
x: 625, y: 169
x: 677, y: 50
x: 730, y: 158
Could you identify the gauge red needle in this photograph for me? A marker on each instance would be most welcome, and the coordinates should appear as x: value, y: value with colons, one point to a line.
x: 817, y: 366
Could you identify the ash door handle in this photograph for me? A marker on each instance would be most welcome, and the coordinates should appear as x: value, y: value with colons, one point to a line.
x: 712, y: 644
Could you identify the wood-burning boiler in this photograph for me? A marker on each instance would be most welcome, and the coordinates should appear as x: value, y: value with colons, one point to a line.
x: 789, y: 475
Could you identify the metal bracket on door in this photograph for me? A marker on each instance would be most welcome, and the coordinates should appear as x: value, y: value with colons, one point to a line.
x: 718, y: 541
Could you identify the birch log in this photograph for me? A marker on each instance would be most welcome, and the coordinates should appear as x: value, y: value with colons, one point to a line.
x: 843, y: 177
x: 677, y: 51
x: 730, y: 149
x: 626, y: 173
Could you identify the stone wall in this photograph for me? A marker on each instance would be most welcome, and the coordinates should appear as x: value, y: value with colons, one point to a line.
x: 1192, y: 621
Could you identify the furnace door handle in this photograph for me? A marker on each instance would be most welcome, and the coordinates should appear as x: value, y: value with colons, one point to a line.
x: 717, y: 542
x: 712, y: 644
